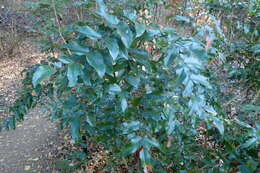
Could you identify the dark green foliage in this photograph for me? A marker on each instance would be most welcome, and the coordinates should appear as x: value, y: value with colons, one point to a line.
x: 107, y: 86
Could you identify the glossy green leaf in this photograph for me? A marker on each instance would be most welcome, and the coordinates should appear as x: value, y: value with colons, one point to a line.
x: 74, y: 71
x: 182, y: 19
x: 140, y: 29
x: 75, y: 125
x: 249, y: 143
x: 135, y: 139
x: 140, y: 53
x: 75, y: 47
x: 219, y: 124
x: 95, y: 59
x: 188, y: 89
x: 65, y: 60
x: 193, y: 63
x: 151, y: 33
x: 181, y: 77
x: 108, y: 60
x: 200, y: 80
x: 145, y: 157
x: 42, y: 72
x: 109, y: 18
x: 130, y: 14
x: 256, y: 49
x: 172, y: 53
x: 132, y: 126
x: 130, y: 149
x: 89, y: 32
x: 170, y: 126
x: 150, y: 142
x: 113, y: 47
x: 125, y: 33
x: 132, y: 80
x: 124, y: 104
x: 250, y: 107
x: 91, y: 121
x: 141, y: 56
x: 102, y: 11
x: 114, y: 88
x: 86, y: 78
x: 243, y: 124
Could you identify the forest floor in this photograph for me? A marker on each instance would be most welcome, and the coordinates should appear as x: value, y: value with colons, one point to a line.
x: 31, y: 147
x: 34, y: 145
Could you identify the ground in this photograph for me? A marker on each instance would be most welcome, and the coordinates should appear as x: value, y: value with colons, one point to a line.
x: 34, y: 145
x: 31, y: 147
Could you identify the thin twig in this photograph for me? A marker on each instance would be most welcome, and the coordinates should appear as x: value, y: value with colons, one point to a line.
x: 59, y: 25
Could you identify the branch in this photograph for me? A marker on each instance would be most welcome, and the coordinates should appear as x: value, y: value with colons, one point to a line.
x: 59, y: 25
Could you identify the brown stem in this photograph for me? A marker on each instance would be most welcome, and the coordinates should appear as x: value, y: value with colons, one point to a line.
x: 59, y: 24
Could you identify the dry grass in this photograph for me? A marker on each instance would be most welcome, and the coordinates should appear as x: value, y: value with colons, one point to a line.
x: 10, y: 42
x: 11, y: 24
x: 10, y: 39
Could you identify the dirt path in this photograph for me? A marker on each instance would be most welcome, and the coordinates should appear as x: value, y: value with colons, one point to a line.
x: 36, y: 144
x: 32, y: 146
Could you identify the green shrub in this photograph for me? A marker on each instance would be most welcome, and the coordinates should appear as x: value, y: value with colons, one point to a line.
x: 155, y: 106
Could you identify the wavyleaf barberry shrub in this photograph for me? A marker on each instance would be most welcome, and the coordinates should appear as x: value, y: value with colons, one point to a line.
x: 134, y: 101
